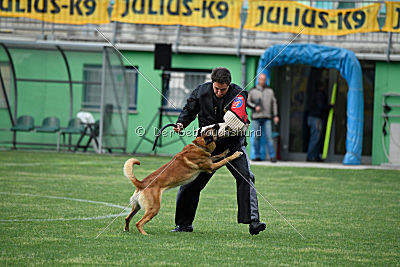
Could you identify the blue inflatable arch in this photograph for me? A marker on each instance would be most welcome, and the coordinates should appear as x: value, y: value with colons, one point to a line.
x: 349, y: 67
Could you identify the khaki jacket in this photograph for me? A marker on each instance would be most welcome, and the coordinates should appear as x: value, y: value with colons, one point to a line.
x: 265, y: 98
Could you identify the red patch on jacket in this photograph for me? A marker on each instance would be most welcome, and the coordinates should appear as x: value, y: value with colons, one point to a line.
x: 239, y: 108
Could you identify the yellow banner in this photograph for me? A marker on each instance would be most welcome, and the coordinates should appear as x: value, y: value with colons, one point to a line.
x: 290, y: 16
x: 201, y: 13
x: 392, y: 23
x: 58, y: 11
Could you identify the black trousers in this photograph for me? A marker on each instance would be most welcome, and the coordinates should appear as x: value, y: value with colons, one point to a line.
x: 189, y: 194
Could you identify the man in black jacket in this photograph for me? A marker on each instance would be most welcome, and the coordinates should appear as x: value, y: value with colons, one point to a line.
x: 317, y: 110
x: 210, y: 101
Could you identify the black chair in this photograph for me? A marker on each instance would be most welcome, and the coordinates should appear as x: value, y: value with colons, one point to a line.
x: 75, y: 126
x: 92, y: 131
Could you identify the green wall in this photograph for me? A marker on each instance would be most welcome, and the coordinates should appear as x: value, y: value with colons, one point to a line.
x: 148, y: 99
x: 41, y: 99
x: 387, y: 80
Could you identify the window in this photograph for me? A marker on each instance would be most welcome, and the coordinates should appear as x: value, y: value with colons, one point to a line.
x: 132, y: 79
x: 92, y: 86
x: 6, y: 75
x: 181, y: 85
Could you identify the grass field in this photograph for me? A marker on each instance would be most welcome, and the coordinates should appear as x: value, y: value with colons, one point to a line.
x: 348, y: 217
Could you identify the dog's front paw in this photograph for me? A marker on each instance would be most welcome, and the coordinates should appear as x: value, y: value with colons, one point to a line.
x: 237, y: 154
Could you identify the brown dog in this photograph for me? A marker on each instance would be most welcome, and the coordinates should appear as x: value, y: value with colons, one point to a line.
x: 181, y: 169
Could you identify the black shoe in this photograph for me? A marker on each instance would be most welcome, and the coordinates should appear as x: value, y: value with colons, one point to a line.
x: 257, y: 159
x: 180, y: 228
x: 256, y: 227
x: 273, y: 160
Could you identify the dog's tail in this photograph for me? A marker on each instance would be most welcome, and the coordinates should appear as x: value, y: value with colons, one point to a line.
x: 128, y: 172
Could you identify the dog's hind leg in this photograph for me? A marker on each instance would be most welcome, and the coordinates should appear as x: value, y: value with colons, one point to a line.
x: 135, y: 209
x: 153, y: 205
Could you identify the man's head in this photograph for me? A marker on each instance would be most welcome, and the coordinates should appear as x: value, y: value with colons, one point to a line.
x: 262, y: 78
x: 221, y: 79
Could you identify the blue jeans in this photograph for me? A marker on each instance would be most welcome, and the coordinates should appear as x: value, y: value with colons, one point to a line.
x: 261, y: 136
x: 315, y: 125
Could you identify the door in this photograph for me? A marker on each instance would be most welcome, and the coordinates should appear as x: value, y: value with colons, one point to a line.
x: 294, y: 86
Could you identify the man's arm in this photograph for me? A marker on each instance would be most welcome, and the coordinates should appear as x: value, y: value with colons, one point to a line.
x: 190, y: 110
x: 275, y: 108
x: 274, y: 104
x: 250, y: 102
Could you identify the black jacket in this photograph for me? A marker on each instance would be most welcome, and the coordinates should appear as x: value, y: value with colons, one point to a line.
x: 210, y: 110
x: 318, y: 106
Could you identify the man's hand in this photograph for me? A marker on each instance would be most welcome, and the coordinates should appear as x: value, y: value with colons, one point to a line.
x: 258, y: 108
x: 276, y: 119
x: 178, y: 128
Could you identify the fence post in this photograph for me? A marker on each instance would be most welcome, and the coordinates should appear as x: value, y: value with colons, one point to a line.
x: 243, y: 18
x: 103, y: 85
x: 177, y: 39
x: 115, y: 32
x: 389, y: 47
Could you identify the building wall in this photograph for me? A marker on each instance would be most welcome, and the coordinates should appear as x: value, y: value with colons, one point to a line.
x: 387, y: 80
x: 148, y: 99
x: 41, y: 99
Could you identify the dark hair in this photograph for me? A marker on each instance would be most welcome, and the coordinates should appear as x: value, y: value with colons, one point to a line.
x: 221, y: 75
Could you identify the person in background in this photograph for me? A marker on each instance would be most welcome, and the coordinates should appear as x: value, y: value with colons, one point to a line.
x: 317, y: 110
x: 265, y: 108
